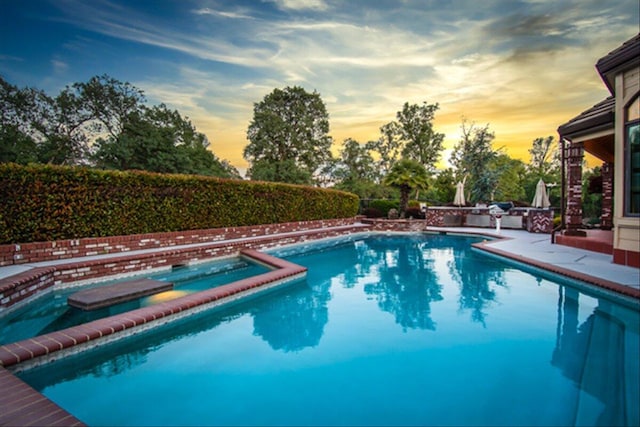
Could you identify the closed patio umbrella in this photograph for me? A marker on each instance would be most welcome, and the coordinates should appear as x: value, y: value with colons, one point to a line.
x: 458, y: 199
x: 541, y: 200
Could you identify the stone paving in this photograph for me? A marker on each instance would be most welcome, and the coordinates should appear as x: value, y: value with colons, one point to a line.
x: 538, y: 248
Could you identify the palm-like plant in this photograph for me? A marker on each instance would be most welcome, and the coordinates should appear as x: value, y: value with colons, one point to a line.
x: 406, y: 175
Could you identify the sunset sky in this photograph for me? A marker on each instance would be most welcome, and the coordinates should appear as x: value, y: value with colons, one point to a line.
x: 524, y: 67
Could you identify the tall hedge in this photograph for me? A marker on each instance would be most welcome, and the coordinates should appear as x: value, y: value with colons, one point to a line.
x: 42, y: 203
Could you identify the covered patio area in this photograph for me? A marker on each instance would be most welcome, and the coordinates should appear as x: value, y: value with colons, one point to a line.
x: 592, y: 131
x: 609, y: 131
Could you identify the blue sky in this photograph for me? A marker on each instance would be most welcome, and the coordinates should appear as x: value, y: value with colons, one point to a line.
x: 523, y: 66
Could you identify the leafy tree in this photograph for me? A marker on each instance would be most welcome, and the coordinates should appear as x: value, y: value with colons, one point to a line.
x: 111, y: 103
x: 355, y: 171
x: 511, y: 174
x: 35, y: 127
x: 63, y: 123
x: 16, y: 146
x: 421, y: 142
x: 355, y: 162
x: 406, y: 175
x: 544, y: 156
x: 288, y: 135
x: 141, y: 144
x: 545, y: 164
x: 280, y: 171
x: 443, y: 188
x: 159, y: 140
x: 470, y: 158
x: 411, y: 136
x: 17, y: 143
x: 328, y: 172
x: 388, y: 147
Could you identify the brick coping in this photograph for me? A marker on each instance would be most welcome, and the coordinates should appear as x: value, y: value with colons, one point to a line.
x: 572, y: 274
x: 565, y: 272
x: 24, y: 286
x: 21, y: 405
x: 51, y: 346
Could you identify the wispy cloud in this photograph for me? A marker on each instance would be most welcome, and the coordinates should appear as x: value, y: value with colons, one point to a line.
x: 222, y: 14
x: 524, y: 66
x: 59, y: 67
x: 121, y: 23
x: 301, y: 4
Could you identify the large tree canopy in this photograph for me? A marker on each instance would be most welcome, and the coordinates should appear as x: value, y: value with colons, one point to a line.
x: 103, y: 122
x: 421, y: 142
x: 159, y: 140
x: 356, y: 171
x: 471, y: 158
x: 38, y: 128
x: 410, y: 136
x: 289, y: 128
x: 545, y: 156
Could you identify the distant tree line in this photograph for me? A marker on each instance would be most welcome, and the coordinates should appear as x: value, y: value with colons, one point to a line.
x: 107, y: 124
x: 289, y: 142
x: 103, y: 123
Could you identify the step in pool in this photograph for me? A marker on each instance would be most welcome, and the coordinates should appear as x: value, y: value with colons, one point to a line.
x: 105, y: 296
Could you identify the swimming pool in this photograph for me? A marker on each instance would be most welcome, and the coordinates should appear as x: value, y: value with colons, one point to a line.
x: 52, y: 313
x: 384, y: 330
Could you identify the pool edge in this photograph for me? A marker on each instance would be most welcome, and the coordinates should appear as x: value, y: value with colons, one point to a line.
x: 48, y: 347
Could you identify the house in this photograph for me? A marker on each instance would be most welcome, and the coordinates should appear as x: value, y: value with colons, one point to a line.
x: 610, y: 130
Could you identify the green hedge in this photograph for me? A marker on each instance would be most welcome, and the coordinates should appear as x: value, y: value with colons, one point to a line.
x: 42, y: 203
x: 382, y: 206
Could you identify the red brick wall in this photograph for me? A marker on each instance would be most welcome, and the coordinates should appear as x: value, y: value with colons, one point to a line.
x: 64, y: 249
x: 624, y: 257
x: 435, y: 217
x: 24, y: 285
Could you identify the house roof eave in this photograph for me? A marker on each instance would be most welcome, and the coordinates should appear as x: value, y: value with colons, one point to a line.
x: 596, y: 119
x: 625, y: 56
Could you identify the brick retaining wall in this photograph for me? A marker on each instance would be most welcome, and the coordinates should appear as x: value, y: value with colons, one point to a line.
x: 20, y: 287
x: 212, y: 243
x: 25, y: 253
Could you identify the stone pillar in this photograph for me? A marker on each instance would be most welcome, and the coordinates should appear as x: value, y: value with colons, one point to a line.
x: 606, y: 219
x: 574, y: 152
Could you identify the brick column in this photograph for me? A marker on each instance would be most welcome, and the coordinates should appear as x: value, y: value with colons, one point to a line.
x: 606, y: 219
x: 574, y: 152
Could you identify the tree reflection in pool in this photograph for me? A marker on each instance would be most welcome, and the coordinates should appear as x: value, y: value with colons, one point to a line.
x: 384, y: 330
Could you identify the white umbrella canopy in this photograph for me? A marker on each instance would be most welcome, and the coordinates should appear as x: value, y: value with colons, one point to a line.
x: 458, y: 199
x: 541, y: 200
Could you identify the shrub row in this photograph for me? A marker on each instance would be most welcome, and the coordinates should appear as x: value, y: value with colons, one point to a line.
x: 379, y: 208
x: 43, y: 203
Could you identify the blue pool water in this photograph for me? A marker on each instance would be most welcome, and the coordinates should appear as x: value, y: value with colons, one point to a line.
x: 52, y: 313
x: 385, y: 330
